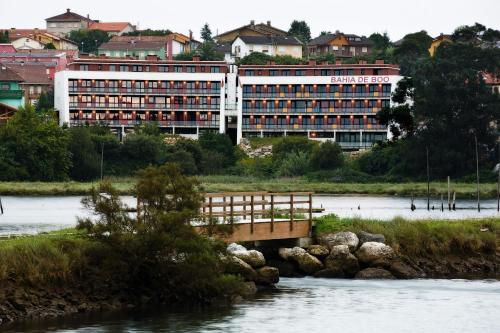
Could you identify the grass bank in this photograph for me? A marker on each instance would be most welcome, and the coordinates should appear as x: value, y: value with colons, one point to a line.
x: 424, y: 237
x: 238, y: 183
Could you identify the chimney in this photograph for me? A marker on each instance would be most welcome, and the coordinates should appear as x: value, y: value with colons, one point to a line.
x: 268, y: 23
x: 252, y: 23
x: 67, y: 10
x: 190, y: 34
x: 379, y: 62
x: 196, y: 58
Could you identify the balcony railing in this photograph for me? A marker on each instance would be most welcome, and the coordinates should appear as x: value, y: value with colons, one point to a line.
x: 310, y: 110
x: 329, y: 127
x: 11, y: 94
x: 143, y: 91
x: 318, y: 95
x: 160, y: 123
x: 146, y: 106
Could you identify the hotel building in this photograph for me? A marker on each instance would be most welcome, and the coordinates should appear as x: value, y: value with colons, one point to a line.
x: 323, y: 101
x: 183, y: 97
x: 331, y: 101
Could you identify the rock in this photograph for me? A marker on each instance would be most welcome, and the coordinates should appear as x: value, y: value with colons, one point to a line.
x: 267, y: 275
x: 342, y: 259
x: 235, y: 265
x: 286, y: 253
x: 249, y: 289
x: 372, y: 251
x: 286, y: 268
x: 252, y: 257
x: 403, y: 271
x: 318, y: 251
x: 307, y: 263
x: 340, y: 238
x: 374, y: 273
x: 365, y: 237
x: 332, y: 273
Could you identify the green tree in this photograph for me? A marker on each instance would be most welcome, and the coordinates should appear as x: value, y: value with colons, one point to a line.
x: 45, y: 101
x: 414, y: 47
x: 4, y: 37
x: 88, y: 40
x: 206, y: 33
x: 140, y: 150
x: 294, y: 164
x: 35, y: 142
x: 84, y: 157
x: 218, y: 151
x: 49, y: 46
x: 292, y: 144
x: 206, y: 51
x: 380, y: 41
x: 327, y: 156
x: 301, y: 30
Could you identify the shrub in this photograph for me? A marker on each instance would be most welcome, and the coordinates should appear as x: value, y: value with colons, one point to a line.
x: 327, y: 156
x: 294, y: 164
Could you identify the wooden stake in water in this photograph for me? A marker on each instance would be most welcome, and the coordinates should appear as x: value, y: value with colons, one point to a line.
x: 454, y: 197
x: 1, y: 207
x: 428, y: 179
x: 449, y: 202
x: 442, y: 204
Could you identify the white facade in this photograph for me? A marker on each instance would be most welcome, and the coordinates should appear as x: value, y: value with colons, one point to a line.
x: 241, y: 49
x: 26, y: 43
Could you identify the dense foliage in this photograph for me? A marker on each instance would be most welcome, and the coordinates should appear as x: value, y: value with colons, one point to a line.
x: 301, y: 30
x: 88, y: 40
x: 258, y: 58
x: 149, y: 32
x: 206, y: 51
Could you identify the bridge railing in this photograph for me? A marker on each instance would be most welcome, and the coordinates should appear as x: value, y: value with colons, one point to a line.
x: 264, y: 210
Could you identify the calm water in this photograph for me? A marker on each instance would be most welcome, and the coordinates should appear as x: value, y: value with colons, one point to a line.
x: 320, y: 305
x: 36, y: 214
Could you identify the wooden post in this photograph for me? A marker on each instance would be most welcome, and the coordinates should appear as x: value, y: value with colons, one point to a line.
x: 310, y: 212
x: 449, y: 199
x: 291, y: 212
x: 224, y: 209
x: 453, y: 204
x: 1, y: 207
x: 231, y: 200
x: 209, y: 210
x: 251, y: 214
x: 477, y: 174
x: 244, y: 207
x: 272, y: 212
x: 442, y: 204
x: 138, y: 209
x: 428, y: 179
x: 263, y: 205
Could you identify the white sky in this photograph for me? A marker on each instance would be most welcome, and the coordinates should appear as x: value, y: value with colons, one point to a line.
x: 397, y: 17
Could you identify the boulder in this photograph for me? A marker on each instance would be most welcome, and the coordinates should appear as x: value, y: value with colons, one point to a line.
x: 365, y: 237
x: 267, y: 275
x: 340, y: 258
x: 252, y: 257
x: 286, y: 253
x: 340, y: 238
x: 332, y: 273
x: 403, y: 271
x: 307, y: 263
x: 374, y: 273
x: 370, y: 252
x: 286, y: 268
x: 234, y: 265
x: 248, y: 289
x: 318, y: 251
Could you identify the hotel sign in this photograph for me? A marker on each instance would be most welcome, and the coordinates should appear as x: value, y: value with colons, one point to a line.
x: 360, y: 79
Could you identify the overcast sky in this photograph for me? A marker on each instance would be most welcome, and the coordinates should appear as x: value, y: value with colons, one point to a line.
x: 362, y: 17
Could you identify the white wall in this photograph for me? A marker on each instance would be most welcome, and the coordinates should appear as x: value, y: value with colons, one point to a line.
x: 27, y: 44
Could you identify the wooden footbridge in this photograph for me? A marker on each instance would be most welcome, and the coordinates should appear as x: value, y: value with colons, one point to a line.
x: 255, y: 216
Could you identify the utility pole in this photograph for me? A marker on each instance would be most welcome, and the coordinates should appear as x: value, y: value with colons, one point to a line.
x: 102, y: 158
x: 428, y: 179
x: 477, y: 174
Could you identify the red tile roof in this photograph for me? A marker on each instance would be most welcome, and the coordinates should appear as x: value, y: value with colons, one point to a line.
x: 32, y: 74
x: 109, y: 26
x: 68, y: 16
x: 7, y: 74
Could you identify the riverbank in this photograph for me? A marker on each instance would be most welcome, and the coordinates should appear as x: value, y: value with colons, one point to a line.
x: 125, y: 186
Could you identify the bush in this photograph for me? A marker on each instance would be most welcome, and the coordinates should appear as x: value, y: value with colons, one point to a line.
x: 141, y: 150
x: 327, y: 156
x: 294, y: 164
x: 292, y: 144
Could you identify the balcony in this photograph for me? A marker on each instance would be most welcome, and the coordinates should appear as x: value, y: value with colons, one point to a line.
x: 11, y: 94
x: 303, y: 111
x: 133, y: 106
x: 322, y: 127
x: 145, y: 91
x: 318, y: 95
x: 132, y: 123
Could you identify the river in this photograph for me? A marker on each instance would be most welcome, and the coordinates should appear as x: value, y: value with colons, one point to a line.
x: 29, y: 215
x: 318, y: 305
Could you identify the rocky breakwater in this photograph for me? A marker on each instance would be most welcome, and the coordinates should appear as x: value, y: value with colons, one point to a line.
x: 251, y: 266
x: 346, y: 255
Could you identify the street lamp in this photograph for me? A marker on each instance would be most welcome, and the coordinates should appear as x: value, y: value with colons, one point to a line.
x: 82, y: 48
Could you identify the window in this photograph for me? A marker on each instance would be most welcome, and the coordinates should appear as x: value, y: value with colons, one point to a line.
x: 190, y: 69
x: 162, y: 68
x: 285, y: 72
x: 123, y: 68
x: 364, y: 49
x: 136, y: 68
x: 249, y: 72
x: 335, y: 48
x: 53, y: 25
x: 178, y: 69
x: 273, y: 72
x: 32, y: 90
x: 300, y: 72
x: 84, y: 67
x: 325, y: 72
x: 214, y: 69
x: 112, y: 68
x: 5, y: 86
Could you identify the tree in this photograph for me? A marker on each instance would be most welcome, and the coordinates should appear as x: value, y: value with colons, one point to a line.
x: 476, y: 34
x: 292, y: 144
x: 206, y: 51
x: 301, y: 30
x: 414, y: 47
x: 149, y: 32
x: 140, y: 150
x: 218, y: 151
x: 380, y: 41
x: 4, y: 37
x: 49, y: 46
x: 45, y: 101
x: 36, y: 143
x: 259, y: 58
x: 88, y: 40
x: 84, y: 157
x: 327, y: 156
x: 206, y: 33
x: 294, y: 164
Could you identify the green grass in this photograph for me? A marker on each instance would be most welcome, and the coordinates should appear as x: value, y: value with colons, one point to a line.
x: 424, y: 237
x: 230, y: 183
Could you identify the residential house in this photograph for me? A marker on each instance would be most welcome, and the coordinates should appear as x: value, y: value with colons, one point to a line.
x: 135, y: 48
x: 340, y: 45
x: 271, y: 45
x: 252, y: 29
x: 11, y: 95
x: 113, y: 28
x: 54, y: 62
x: 438, y: 41
x: 37, y: 39
x: 27, y: 43
x: 36, y: 79
x: 62, y: 24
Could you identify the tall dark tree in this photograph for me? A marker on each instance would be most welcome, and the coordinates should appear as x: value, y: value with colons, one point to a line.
x: 301, y: 30
x: 88, y: 40
x: 206, y: 33
x: 380, y: 41
x: 4, y: 37
x: 45, y: 101
x: 414, y: 46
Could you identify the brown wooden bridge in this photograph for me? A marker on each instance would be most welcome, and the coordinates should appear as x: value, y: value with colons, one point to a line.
x: 255, y: 216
